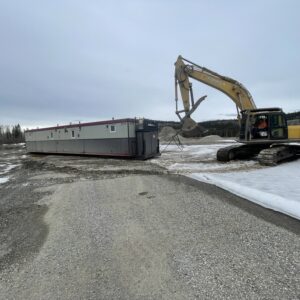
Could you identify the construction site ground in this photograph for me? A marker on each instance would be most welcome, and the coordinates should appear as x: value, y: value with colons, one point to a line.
x: 76, y: 227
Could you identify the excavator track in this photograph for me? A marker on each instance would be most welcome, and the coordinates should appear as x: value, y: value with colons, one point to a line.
x: 237, y: 152
x: 227, y: 153
x: 272, y: 156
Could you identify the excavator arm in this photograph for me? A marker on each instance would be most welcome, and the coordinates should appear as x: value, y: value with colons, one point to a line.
x: 184, y: 70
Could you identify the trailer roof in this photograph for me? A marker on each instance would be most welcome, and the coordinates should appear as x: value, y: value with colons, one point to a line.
x: 83, y: 124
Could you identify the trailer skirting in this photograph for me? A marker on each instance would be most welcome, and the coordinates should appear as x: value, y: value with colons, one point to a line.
x: 107, y: 147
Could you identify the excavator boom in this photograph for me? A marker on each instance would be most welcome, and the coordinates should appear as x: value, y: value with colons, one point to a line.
x: 185, y: 69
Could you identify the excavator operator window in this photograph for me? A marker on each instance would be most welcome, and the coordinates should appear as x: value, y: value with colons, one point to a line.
x: 260, y: 127
x: 278, y: 126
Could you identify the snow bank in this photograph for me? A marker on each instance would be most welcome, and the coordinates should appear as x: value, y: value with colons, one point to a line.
x: 276, y: 188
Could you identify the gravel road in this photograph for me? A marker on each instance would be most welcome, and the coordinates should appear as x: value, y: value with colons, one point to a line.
x: 88, y: 229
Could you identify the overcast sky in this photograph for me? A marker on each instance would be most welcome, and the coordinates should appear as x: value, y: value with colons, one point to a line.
x: 63, y: 61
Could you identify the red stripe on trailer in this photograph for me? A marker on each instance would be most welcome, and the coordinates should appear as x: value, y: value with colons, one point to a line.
x: 84, y: 124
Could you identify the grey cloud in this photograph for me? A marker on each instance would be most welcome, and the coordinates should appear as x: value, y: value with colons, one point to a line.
x: 67, y: 60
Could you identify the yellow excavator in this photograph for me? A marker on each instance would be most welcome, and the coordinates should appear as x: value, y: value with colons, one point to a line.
x: 263, y: 132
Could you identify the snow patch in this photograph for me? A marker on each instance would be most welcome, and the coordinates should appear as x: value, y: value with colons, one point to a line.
x: 6, y: 168
x: 3, y: 179
x: 197, y: 158
x: 276, y: 188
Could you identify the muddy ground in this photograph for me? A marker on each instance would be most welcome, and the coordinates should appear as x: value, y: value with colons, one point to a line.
x: 21, y: 215
x: 76, y: 227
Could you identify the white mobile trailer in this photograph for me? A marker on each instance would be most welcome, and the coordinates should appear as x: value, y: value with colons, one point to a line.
x: 135, y: 138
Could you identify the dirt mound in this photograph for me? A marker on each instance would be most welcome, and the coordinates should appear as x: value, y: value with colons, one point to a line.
x: 167, y: 133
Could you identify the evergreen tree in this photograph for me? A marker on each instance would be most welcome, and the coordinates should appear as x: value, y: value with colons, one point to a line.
x: 11, y: 134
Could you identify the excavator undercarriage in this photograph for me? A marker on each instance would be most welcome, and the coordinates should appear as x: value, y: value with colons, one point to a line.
x: 269, y: 156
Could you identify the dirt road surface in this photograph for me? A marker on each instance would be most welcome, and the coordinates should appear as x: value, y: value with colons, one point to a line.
x: 89, y: 228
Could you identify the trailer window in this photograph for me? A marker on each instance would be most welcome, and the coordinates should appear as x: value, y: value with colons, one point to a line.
x: 51, y: 135
x: 73, y: 134
x: 112, y: 128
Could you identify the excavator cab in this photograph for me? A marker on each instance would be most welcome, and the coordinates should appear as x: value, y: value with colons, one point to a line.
x: 259, y: 125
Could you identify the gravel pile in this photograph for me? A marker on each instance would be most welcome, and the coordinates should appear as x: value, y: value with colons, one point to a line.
x: 168, y: 132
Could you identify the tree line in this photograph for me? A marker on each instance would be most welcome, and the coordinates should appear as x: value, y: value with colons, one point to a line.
x: 11, y: 134
x: 223, y: 128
